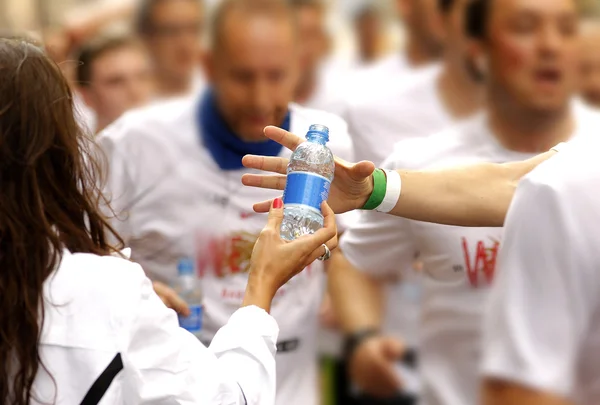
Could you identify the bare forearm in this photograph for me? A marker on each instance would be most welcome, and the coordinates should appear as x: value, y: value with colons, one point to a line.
x: 475, y: 195
x: 355, y: 296
x: 501, y: 393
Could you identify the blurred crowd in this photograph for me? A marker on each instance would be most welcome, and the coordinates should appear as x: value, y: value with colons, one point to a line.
x: 399, y: 319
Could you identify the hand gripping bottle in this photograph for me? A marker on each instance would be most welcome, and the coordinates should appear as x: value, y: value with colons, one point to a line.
x: 309, y: 176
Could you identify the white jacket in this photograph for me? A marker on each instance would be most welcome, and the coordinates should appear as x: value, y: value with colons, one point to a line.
x: 99, y: 307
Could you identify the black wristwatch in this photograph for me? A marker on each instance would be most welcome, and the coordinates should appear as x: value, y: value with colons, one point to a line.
x: 355, y: 339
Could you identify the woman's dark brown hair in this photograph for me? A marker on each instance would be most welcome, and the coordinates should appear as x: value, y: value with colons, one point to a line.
x: 49, y: 199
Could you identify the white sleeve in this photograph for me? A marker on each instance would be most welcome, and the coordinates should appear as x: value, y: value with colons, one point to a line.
x: 163, y: 363
x: 379, y: 244
x: 119, y: 180
x: 544, y: 296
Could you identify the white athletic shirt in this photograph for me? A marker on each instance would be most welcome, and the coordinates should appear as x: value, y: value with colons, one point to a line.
x: 459, y: 263
x: 542, y: 327
x: 401, y: 104
x: 401, y: 110
x: 97, y: 307
x: 184, y: 205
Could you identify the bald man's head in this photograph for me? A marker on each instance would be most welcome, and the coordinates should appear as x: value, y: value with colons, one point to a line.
x: 235, y: 9
x: 590, y: 59
x: 253, y: 64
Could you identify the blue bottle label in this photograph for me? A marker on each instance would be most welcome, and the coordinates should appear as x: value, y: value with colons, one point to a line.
x: 307, y: 189
x: 192, y: 323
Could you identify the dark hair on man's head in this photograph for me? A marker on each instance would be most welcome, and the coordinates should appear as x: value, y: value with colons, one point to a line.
x: 94, y: 49
x: 306, y: 3
x: 143, y: 23
x: 276, y: 8
x: 446, y: 5
x: 477, y: 18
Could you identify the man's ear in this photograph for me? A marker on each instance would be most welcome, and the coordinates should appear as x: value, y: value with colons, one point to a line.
x: 208, y: 64
x: 477, y: 60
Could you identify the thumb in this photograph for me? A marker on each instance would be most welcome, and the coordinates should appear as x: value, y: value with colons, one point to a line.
x: 393, y: 349
x: 362, y: 170
x: 275, y: 216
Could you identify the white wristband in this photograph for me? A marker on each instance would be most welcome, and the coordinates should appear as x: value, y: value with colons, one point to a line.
x: 392, y: 192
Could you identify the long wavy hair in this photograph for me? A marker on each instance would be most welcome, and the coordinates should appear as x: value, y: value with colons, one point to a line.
x: 49, y: 201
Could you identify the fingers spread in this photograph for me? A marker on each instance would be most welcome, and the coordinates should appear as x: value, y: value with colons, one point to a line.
x: 275, y: 182
x: 266, y: 163
x: 283, y: 137
x: 275, y: 216
x: 263, y: 206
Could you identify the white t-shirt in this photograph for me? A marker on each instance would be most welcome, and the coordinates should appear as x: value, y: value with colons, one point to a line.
x: 99, y: 306
x: 400, y: 110
x: 542, y: 327
x: 184, y: 205
x: 452, y: 301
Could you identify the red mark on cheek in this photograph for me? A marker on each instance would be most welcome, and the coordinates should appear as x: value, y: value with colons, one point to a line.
x: 515, y: 53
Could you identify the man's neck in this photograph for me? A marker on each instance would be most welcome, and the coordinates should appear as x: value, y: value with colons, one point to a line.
x: 101, y: 124
x: 419, y: 54
x: 306, y: 88
x: 167, y: 86
x: 461, y: 95
x: 528, y: 131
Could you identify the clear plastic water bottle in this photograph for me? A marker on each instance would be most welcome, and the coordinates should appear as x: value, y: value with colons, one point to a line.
x: 188, y: 288
x: 309, y: 176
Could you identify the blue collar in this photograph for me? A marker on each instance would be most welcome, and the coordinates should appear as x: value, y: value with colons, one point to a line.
x: 225, y: 147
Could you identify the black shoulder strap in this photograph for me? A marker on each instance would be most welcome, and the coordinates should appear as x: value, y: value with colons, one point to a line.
x: 102, y: 383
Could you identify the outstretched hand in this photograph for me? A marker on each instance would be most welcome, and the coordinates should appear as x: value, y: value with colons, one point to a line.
x: 350, y: 189
x: 275, y: 261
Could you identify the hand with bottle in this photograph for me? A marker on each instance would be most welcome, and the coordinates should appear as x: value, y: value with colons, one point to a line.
x: 276, y: 261
x: 350, y: 189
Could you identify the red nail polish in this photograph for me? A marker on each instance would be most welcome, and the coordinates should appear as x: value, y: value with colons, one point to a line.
x: 277, y: 203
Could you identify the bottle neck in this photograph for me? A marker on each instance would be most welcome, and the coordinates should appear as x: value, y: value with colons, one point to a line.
x: 317, y: 138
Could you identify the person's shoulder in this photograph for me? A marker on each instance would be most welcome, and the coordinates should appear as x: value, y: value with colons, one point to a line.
x: 160, y: 119
x: 395, y: 92
x: 450, y: 146
x: 303, y: 117
x: 573, y: 174
x: 105, y: 280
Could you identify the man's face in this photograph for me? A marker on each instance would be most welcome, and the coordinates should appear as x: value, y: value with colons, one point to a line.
x: 120, y: 80
x: 314, y: 44
x: 254, y: 71
x: 590, y: 65
x: 533, y: 51
x: 423, y: 19
x: 369, y: 32
x: 174, y: 40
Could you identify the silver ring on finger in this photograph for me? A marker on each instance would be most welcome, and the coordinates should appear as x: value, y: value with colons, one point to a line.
x: 326, y: 255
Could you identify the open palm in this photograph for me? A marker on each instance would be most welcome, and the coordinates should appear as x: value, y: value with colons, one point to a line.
x: 350, y: 189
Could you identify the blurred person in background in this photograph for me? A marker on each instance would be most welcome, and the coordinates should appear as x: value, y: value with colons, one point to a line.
x: 175, y: 170
x: 431, y: 101
x: 113, y: 76
x: 318, y: 87
x: 590, y: 55
x: 528, y: 54
x: 70, y: 333
x: 542, y: 331
x: 531, y: 76
x: 370, y: 34
x: 172, y: 32
x: 423, y: 47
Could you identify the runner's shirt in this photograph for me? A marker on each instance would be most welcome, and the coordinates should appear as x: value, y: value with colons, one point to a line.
x: 173, y: 201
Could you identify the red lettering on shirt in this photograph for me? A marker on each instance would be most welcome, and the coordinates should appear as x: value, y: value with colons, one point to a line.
x: 484, y: 261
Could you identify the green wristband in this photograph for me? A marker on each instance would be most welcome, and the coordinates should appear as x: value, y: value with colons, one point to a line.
x: 379, y: 189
